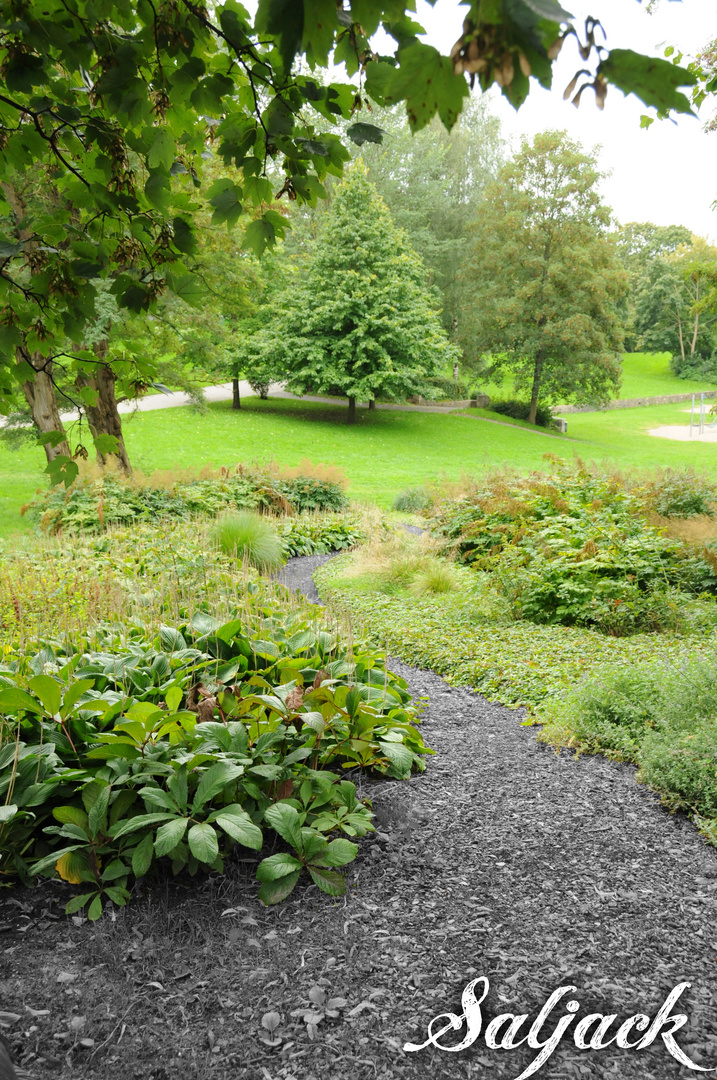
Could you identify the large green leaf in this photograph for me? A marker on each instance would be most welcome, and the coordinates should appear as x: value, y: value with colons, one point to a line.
x: 241, y: 828
x: 276, y: 890
x: 203, y: 843
x: 284, y: 819
x: 329, y: 881
x: 428, y: 84
x: 213, y: 781
x: 169, y: 835
x: 277, y: 866
x: 338, y: 853
x: 652, y: 79
x: 12, y: 699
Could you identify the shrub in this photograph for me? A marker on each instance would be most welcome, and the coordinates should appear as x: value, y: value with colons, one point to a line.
x: 250, y: 538
x: 307, y: 493
x: 171, y: 748
x: 610, y: 711
x: 574, y: 547
x: 97, y: 500
x: 520, y: 410
x: 412, y: 500
x: 445, y: 389
x: 682, y: 766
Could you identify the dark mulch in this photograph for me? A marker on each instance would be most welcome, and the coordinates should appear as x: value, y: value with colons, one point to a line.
x: 504, y: 859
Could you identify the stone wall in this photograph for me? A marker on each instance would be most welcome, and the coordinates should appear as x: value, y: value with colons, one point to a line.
x: 632, y: 403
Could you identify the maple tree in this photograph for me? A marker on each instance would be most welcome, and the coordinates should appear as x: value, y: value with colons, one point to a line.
x: 546, y: 280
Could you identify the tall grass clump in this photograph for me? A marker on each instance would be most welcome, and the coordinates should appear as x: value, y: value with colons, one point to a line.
x: 412, y: 500
x: 251, y: 538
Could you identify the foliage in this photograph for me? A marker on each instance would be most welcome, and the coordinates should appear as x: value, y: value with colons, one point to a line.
x: 412, y: 500
x: 442, y: 388
x: 638, y: 245
x: 178, y: 745
x: 519, y: 410
x: 432, y: 182
x: 545, y: 280
x: 359, y: 319
x: 676, y: 308
x: 54, y: 588
x: 574, y: 547
x: 661, y: 716
x: 312, y: 534
x: 109, y: 499
x: 249, y: 538
x: 125, y: 161
x: 469, y: 638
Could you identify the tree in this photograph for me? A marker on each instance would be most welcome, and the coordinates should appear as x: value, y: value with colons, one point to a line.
x: 546, y: 282
x: 116, y: 103
x: 433, y: 183
x: 360, y: 319
x: 676, y: 308
x: 638, y: 245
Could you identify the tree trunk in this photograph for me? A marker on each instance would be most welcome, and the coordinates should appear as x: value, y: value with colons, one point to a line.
x: 693, y: 344
x: 103, y: 417
x: 682, y: 342
x: 236, y: 398
x: 372, y: 403
x: 40, y: 396
x: 537, y: 375
x: 352, y: 411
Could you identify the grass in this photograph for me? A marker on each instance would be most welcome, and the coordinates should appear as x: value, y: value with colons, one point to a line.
x: 643, y: 375
x: 385, y: 452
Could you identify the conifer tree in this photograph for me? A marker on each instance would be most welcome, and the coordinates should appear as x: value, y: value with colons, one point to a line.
x: 361, y: 319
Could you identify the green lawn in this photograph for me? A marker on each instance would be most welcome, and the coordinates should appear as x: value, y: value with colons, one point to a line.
x: 643, y: 375
x: 384, y: 453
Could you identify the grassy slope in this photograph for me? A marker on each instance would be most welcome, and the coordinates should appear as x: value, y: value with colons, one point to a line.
x: 643, y: 375
x: 384, y: 453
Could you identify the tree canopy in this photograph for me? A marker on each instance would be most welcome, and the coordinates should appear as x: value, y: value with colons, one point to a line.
x: 359, y: 319
x: 113, y: 109
x: 546, y: 281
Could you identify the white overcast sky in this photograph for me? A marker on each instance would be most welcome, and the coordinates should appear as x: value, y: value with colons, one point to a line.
x: 666, y: 173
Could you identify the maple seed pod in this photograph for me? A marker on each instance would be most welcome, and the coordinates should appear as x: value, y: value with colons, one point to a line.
x: 524, y: 64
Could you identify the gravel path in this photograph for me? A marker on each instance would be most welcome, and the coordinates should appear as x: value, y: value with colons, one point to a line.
x: 537, y: 870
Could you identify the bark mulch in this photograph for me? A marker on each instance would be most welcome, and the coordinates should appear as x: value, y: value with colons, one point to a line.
x: 504, y: 859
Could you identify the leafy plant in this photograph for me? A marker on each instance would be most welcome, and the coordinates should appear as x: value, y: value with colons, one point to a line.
x: 175, y: 747
x: 519, y: 410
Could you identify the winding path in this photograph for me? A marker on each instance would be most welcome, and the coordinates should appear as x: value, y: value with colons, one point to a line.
x: 533, y: 868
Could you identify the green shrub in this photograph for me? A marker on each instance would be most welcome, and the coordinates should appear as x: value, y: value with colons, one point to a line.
x: 135, y: 750
x: 313, y: 533
x: 610, y: 711
x: 682, y: 766
x: 574, y: 547
x: 520, y: 410
x: 305, y: 493
x: 412, y: 500
x: 93, y: 503
x: 445, y: 389
x: 250, y: 538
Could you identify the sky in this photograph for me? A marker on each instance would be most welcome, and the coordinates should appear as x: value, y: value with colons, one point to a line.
x: 666, y: 173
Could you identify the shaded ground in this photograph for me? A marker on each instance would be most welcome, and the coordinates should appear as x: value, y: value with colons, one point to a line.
x: 504, y: 859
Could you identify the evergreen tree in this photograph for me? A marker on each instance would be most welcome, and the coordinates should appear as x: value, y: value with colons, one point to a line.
x: 361, y: 319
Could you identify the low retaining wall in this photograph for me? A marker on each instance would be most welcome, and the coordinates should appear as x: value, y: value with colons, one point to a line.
x: 631, y: 403
x: 480, y: 401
